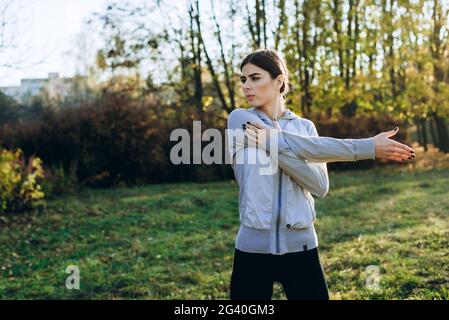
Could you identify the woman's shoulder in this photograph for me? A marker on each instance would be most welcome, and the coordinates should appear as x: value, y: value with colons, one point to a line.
x: 242, y: 115
x: 304, y: 123
x: 239, y: 112
x: 307, y: 122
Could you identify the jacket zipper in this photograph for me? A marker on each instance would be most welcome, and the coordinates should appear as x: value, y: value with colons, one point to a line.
x: 279, y: 212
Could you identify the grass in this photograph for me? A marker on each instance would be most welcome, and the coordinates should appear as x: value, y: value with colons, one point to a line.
x: 176, y: 241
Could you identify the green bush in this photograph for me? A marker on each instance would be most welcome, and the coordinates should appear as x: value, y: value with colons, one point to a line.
x: 118, y: 140
x: 20, y: 187
x: 59, y: 181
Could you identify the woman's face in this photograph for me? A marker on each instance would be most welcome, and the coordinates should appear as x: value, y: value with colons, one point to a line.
x: 258, y: 87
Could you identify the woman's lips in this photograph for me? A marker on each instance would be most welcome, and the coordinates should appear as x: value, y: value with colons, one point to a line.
x: 250, y: 97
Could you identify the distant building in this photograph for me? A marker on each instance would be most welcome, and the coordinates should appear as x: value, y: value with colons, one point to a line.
x: 55, y: 85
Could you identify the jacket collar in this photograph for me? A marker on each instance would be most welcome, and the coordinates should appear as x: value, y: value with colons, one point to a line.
x: 289, y: 115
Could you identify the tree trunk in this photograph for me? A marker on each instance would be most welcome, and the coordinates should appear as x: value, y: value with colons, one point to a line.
x: 418, y: 132
x: 424, y: 132
x: 433, y: 132
x: 196, y: 50
x: 442, y: 133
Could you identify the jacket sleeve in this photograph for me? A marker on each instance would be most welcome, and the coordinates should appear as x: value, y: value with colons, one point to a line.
x: 235, y: 137
x: 312, y: 148
x: 327, y: 149
x: 309, y: 175
x: 235, y: 140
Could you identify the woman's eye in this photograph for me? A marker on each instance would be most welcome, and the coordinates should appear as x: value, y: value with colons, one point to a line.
x: 254, y: 79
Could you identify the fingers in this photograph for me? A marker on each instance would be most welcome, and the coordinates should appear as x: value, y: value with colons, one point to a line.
x: 254, y: 127
x: 392, y: 132
x: 252, y: 140
x: 257, y: 125
x: 251, y: 133
x: 399, y: 152
x: 256, y: 135
x: 251, y: 136
x: 403, y: 146
x: 399, y: 156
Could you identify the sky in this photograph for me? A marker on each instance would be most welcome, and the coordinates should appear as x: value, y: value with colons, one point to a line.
x: 45, y: 33
x: 51, y: 36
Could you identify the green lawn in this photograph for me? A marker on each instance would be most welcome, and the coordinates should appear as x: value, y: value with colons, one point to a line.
x: 176, y: 241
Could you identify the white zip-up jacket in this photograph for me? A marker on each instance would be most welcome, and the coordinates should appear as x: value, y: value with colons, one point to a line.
x: 301, y: 157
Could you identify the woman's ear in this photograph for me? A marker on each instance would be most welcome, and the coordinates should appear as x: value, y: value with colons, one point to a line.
x: 280, y: 81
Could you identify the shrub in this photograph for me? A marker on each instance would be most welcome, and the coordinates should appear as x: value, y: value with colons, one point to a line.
x: 433, y: 158
x: 20, y: 187
x: 58, y: 181
x: 118, y: 140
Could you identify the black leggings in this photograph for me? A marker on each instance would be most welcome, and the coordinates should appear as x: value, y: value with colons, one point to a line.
x: 300, y: 274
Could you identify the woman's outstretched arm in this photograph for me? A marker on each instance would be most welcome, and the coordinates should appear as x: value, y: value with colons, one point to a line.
x: 328, y: 149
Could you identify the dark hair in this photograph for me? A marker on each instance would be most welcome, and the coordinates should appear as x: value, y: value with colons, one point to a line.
x: 271, y: 61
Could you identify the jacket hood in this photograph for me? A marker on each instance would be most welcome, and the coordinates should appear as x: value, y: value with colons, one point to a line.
x: 290, y: 115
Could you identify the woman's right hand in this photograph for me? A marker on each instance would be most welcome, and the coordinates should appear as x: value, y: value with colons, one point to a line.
x: 390, y: 149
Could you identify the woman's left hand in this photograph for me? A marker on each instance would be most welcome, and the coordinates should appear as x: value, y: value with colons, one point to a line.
x: 258, y: 134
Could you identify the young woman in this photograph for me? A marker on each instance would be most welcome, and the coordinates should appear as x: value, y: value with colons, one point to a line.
x: 277, y: 240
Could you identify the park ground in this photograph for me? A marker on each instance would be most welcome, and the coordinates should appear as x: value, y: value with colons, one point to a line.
x: 381, y: 226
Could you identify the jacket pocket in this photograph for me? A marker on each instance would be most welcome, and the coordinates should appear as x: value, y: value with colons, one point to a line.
x: 300, y: 213
x: 311, y: 202
x: 258, y: 195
